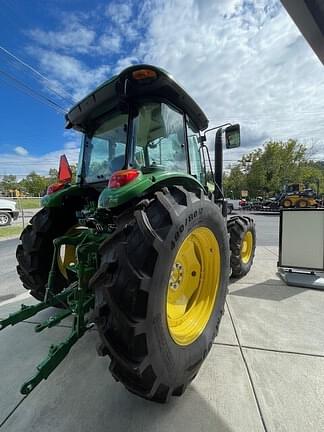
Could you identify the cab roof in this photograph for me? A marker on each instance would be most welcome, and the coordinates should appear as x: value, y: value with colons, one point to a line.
x: 125, y: 88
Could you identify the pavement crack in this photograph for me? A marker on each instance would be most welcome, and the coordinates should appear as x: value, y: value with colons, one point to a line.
x: 282, y: 351
x: 248, y: 371
x: 273, y: 253
x: 225, y: 344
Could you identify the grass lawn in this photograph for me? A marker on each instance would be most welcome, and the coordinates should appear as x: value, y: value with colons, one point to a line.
x: 10, y: 231
x: 28, y: 203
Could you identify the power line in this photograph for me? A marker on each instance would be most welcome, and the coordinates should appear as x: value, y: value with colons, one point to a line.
x: 31, y: 92
x: 40, y: 75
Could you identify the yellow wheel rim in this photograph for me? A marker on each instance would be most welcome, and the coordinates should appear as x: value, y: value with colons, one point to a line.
x: 66, y: 256
x: 193, y: 286
x: 246, y: 248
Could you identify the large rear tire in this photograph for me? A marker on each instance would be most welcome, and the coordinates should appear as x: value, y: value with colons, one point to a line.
x: 160, y: 292
x: 35, y: 251
x: 242, y: 244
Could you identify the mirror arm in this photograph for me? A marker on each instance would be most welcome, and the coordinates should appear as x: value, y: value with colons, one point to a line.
x: 217, y: 127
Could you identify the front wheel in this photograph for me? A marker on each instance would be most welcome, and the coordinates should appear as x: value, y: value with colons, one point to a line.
x: 287, y: 203
x: 160, y: 292
x: 242, y: 244
x: 5, y: 219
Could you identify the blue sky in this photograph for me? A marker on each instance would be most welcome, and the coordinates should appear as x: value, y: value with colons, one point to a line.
x: 243, y: 61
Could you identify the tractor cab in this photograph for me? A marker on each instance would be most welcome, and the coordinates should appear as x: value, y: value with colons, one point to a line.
x: 152, y: 139
x: 141, y: 127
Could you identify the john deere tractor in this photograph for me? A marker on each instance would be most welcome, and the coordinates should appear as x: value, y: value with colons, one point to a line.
x: 139, y: 246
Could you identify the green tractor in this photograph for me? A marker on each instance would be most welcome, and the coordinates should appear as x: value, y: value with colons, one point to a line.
x: 139, y: 245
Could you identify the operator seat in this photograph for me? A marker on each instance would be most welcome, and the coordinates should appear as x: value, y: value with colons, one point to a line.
x: 117, y: 163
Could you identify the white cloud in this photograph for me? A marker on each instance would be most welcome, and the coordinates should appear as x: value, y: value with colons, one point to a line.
x: 74, y: 75
x: 119, y: 12
x: 110, y: 42
x: 21, y: 165
x: 73, y: 37
x: 21, y: 151
x: 70, y: 145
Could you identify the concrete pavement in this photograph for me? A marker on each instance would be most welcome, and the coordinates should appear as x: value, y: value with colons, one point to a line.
x: 10, y: 285
x: 265, y: 371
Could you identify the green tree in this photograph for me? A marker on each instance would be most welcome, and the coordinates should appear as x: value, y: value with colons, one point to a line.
x: 52, y: 175
x: 35, y: 184
x: 8, y: 184
x: 266, y: 170
x: 235, y: 182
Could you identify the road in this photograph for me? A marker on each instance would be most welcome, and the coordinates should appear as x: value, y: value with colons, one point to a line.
x: 10, y: 285
x: 25, y: 216
x: 267, y: 229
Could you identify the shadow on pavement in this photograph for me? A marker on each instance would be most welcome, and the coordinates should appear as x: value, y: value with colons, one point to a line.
x: 82, y: 396
x: 268, y: 290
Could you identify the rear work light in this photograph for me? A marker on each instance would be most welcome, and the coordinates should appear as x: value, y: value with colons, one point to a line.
x: 122, y: 177
x: 142, y: 74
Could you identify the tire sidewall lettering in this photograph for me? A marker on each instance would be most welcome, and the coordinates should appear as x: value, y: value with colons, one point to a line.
x: 187, y: 225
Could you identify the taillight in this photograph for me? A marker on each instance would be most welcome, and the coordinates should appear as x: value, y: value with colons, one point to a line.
x: 122, y: 177
x: 54, y: 187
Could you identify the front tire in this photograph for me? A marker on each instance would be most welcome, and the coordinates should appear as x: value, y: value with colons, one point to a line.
x: 242, y: 244
x: 142, y: 299
x: 5, y: 219
x: 287, y: 203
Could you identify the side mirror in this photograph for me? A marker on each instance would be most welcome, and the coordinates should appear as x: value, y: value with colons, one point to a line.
x: 232, y: 136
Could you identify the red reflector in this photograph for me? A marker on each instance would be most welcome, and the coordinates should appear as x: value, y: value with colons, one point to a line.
x: 65, y: 173
x: 54, y: 188
x: 122, y: 177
